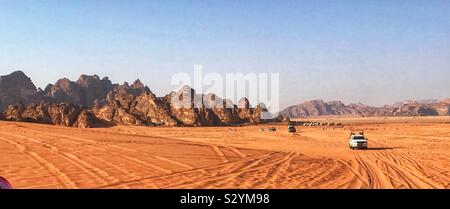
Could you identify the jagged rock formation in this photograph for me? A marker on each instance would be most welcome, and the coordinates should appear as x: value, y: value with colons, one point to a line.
x: 134, y: 105
x: 409, y: 108
x: 64, y: 90
x: 86, y: 91
x: 16, y: 87
x: 57, y: 114
x: 137, y: 105
x: 91, y: 99
x: 210, y: 109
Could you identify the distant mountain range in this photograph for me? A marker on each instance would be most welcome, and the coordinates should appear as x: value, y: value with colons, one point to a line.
x: 407, y: 108
x: 93, y: 101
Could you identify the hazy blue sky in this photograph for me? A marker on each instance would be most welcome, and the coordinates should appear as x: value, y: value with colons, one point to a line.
x: 366, y: 51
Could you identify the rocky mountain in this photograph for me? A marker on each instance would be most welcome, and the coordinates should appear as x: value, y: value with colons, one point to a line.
x: 408, y: 108
x: 319, y: 107
x: 17, y: 87
x: 91, y: 101
x: 87, y: 91
x: 134, y: 105
x: 137, y: 105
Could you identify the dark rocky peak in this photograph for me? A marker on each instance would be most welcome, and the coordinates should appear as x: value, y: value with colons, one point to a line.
x: 87, y: 91
x: 137, y: 84
x: 17, y: 80
x: 84, y: 78
x: 134, y: 89
x: 66, y: 84
x: 140, y: 86
x: 15, y: 75
x: 48, y: 87
x: 94, y: 81
x: 64, y: 90
x: 16, y: 87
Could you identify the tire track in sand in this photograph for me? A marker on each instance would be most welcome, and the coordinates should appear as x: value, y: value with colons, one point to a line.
x: 223, y: 175
x: 58, y: 136
x: 98, y: 174
x: 125, y: 156
x: 276, y: 171
x: 199, y: 175
x: 60, y: 179
x: 135, y: 160
x: 120, y: 169
x: 219, y: 153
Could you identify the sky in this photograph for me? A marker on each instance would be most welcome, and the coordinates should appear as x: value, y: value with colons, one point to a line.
x: 373, y: 51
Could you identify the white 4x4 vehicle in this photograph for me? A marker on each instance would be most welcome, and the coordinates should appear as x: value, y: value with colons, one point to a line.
x: 357, y: 141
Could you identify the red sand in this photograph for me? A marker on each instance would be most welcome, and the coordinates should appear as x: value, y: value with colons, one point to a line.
x: 404, y: 153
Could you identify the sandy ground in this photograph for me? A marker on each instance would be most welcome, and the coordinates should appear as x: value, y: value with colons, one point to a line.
x: 404, y: 153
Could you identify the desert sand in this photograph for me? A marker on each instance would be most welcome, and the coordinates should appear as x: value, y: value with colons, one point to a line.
x: 403, y: 153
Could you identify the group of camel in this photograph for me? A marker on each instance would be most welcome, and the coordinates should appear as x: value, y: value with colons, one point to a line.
x: 309, y: 123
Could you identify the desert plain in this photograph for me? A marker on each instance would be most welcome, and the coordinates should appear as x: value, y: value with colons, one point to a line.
x: 404, y: 152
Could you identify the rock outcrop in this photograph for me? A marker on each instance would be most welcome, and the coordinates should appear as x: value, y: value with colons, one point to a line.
x: 211, y: 110
x: 64, y: 90
x: 58, y: 114
x: 137, y: 105
x: 87, y: 91
x: 134, y: 105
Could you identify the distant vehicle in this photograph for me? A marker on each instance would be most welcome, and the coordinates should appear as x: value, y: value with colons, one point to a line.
x: 4, y: 184
x: 357, y: 141
x: 291, y: 128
